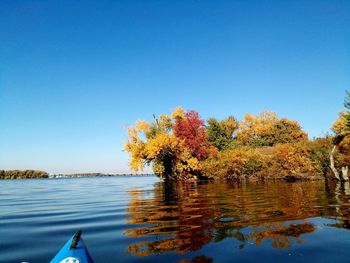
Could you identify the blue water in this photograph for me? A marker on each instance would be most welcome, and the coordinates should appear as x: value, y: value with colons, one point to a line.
x: 140, y: 219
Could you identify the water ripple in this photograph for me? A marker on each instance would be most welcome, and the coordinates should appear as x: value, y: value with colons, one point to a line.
x: 141, y: 219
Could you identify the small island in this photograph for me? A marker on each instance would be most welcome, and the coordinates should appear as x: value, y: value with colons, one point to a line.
x: 183, y: 147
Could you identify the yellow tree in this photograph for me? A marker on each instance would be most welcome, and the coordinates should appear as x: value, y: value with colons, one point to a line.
x: 340, y: 126
x: 266, y: 129
x: 156, y: 144
x: 342, y: 131
x: 342, y: 140
x: 291, y: 160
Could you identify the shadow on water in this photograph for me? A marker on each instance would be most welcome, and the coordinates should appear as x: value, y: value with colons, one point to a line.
x: 184, y: 218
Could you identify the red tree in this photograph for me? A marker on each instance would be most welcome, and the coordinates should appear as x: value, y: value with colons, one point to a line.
x: 191, y: 129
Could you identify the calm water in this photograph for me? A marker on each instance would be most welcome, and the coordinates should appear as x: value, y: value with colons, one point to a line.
x: 140, y: 219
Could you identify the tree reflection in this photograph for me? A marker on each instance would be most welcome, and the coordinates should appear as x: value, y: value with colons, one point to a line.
x: 185, y: 217
x: 281, y: 235
x: 340, y: 194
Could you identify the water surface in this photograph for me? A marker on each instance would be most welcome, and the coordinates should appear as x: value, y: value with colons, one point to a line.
x: 140, y: 219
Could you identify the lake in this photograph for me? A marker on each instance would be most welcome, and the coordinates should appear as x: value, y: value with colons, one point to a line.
x: 141, y: 219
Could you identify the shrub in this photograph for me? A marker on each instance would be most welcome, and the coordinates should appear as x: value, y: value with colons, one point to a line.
x: 234, y: 164
x: 291, y: 160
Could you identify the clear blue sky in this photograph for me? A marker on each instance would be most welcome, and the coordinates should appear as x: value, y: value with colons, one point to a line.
x: 74, y: 74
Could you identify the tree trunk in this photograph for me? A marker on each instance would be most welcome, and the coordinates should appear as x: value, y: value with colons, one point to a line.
x: 345, y: 171
x: 334, y: 170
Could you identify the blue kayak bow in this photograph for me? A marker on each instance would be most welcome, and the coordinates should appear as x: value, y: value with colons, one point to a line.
x: 74, y: 251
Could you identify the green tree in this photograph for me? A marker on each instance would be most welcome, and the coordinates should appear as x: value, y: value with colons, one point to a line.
x: 221, y: 133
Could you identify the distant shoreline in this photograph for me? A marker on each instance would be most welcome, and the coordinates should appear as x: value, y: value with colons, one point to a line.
x: 36, y: 174
x: 94, y: 175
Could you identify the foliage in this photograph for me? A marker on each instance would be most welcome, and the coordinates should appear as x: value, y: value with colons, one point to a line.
x: 256, y: 130
x: 190, y: 128
x: 234, y: 164
x: 319, y: 150
x: 291, y: 160
x: 22, y: 174
x: 340, y: 126
x: 344, y: 150
x: 169, y: 155
x: 280, y: 161
x: 287, y: 131
x: 266, y: 129
x: 172, y: 144
x: 181, y: 147
x: 220, y: 133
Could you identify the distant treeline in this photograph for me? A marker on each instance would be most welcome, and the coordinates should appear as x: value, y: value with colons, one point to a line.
x: 22, y: 174
x: 95, y: 175
x: 80, y: 175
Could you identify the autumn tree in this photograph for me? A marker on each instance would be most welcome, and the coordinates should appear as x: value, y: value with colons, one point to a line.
x: 221, y: 133
x: 291, y: 160
x: 287, y: 131
x: 190, y: 128
x: 341, y: 128
x: 156, y: 144
x: 266, y: 129
x: 234, y: 164
x: 319, y: 149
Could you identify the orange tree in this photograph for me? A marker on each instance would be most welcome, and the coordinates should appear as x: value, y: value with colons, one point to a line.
x: 291, y: 160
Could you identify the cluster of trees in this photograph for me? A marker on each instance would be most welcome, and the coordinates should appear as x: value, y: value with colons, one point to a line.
x: 341, y: 128
x: 21, y: 174
x: 182, y: 146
